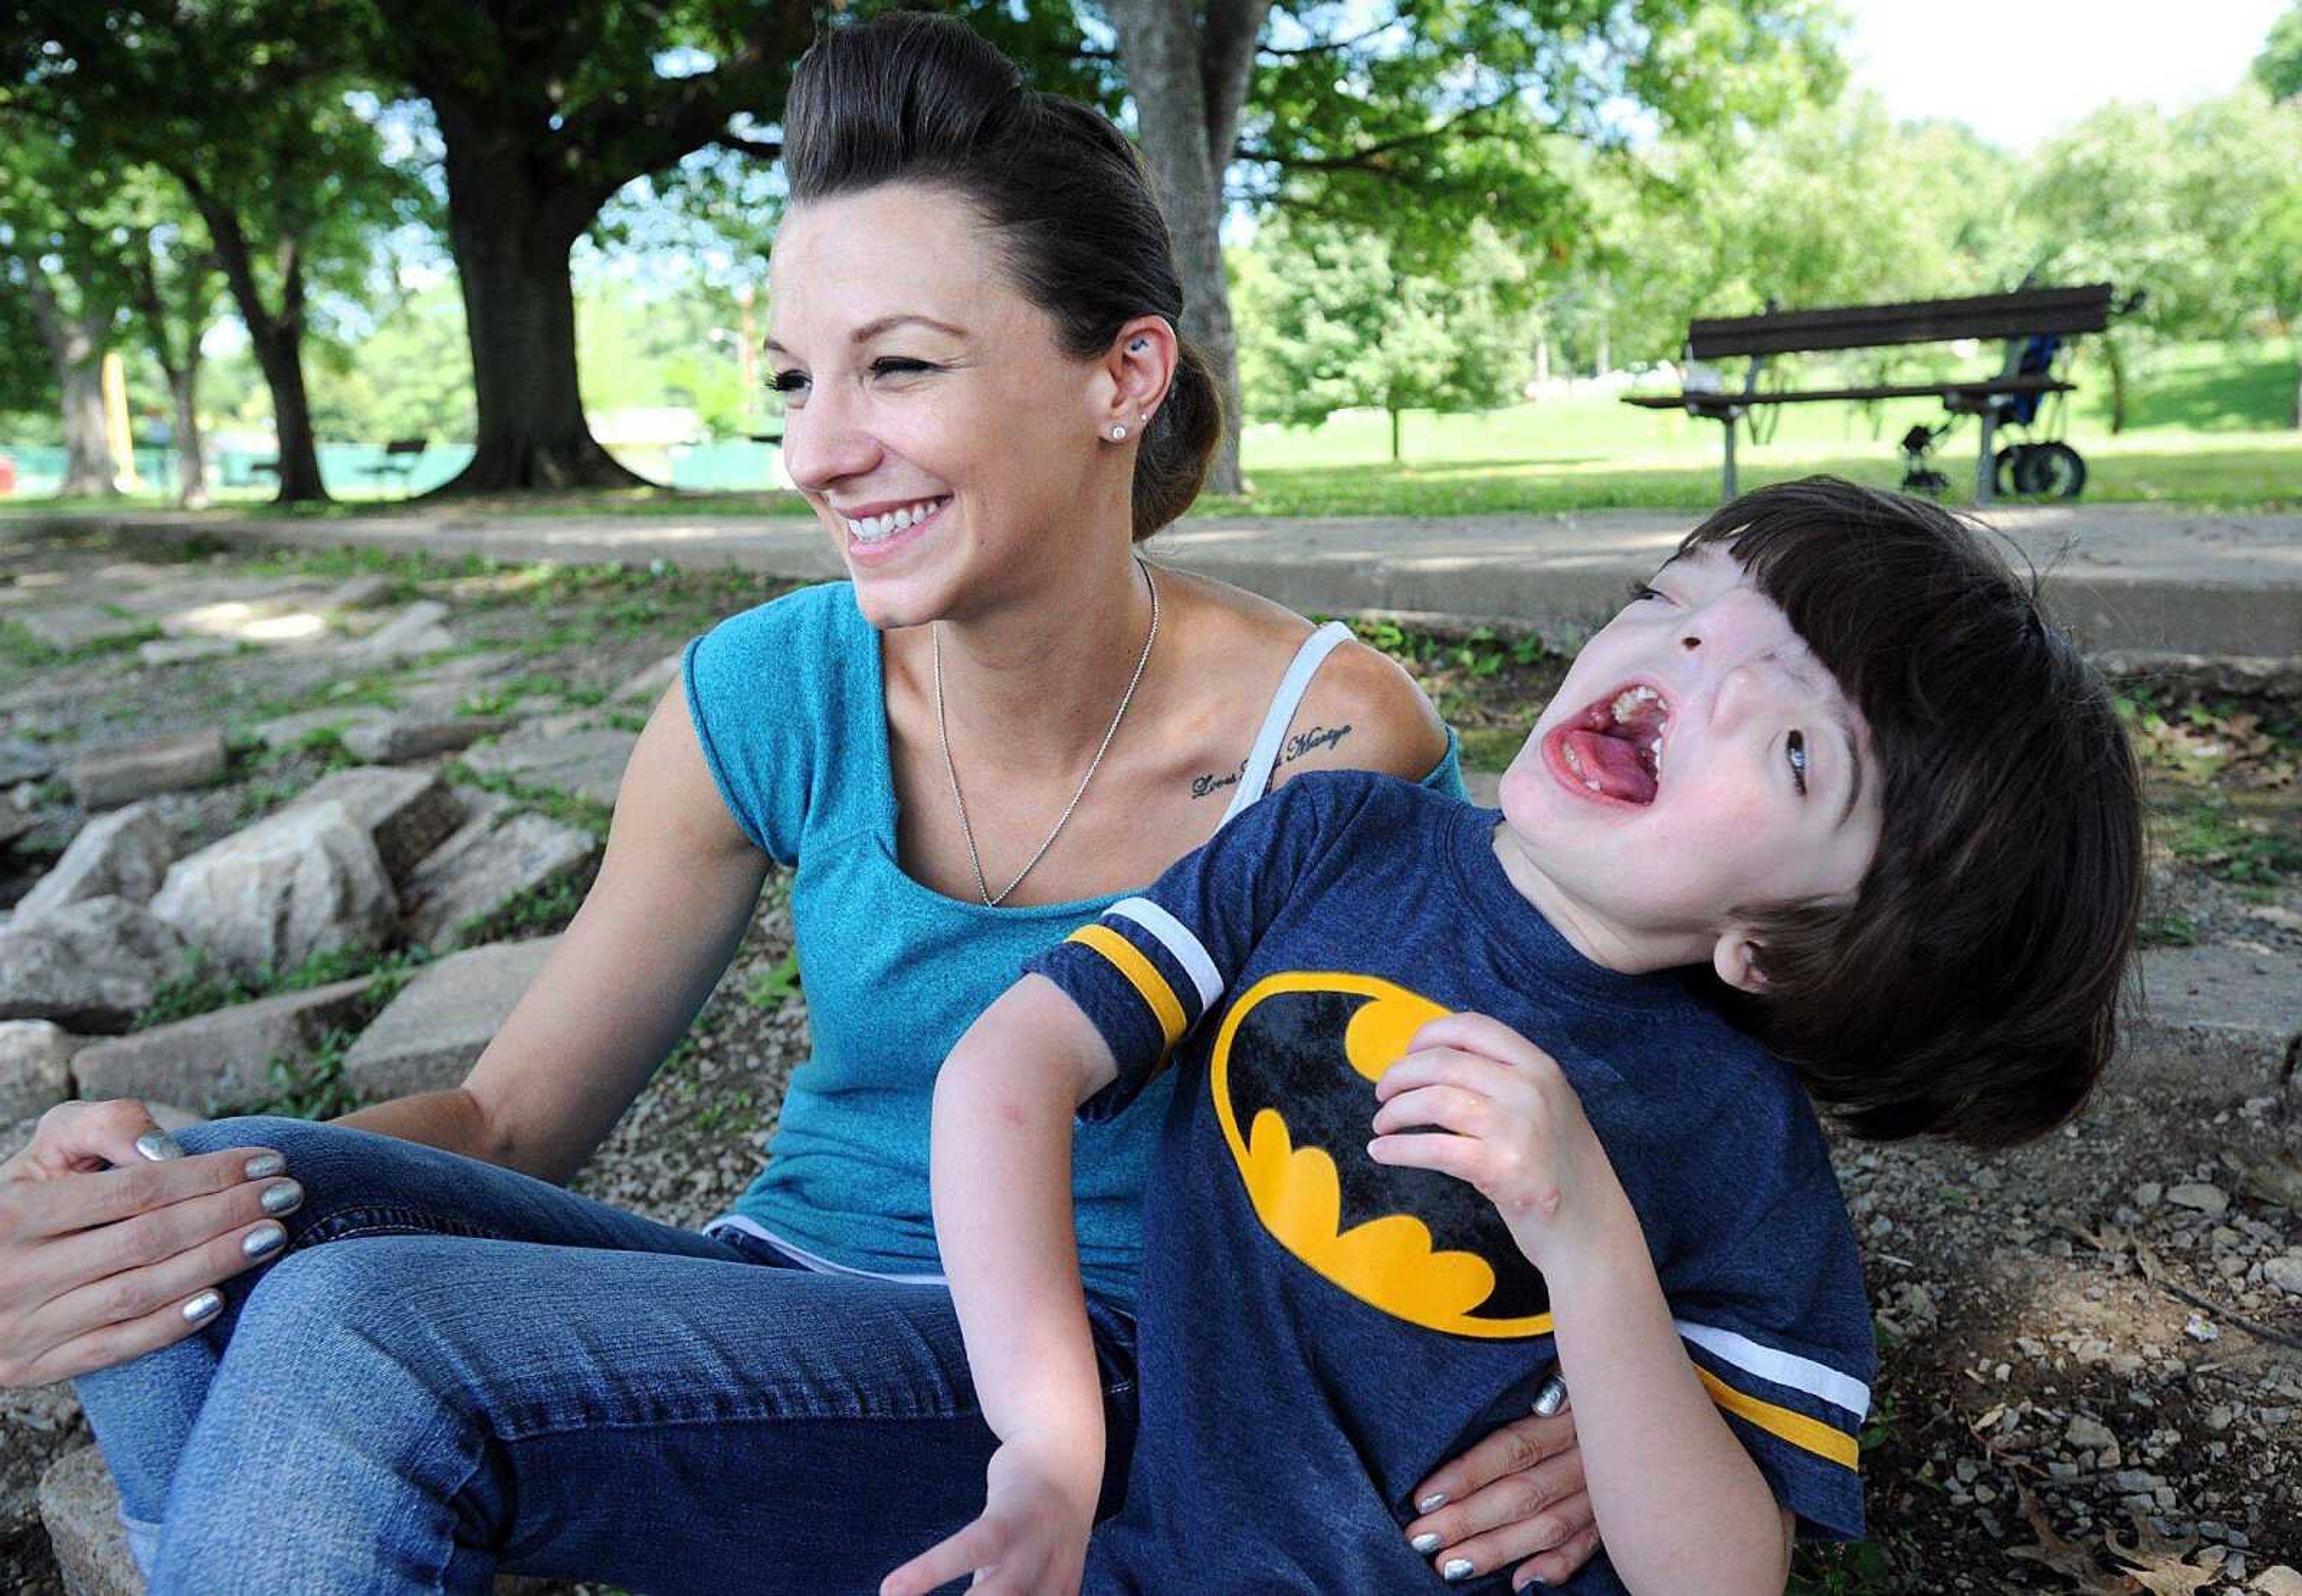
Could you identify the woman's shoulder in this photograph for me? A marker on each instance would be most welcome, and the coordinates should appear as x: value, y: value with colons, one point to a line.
x: 822, y: 613
x: 1361, y: 711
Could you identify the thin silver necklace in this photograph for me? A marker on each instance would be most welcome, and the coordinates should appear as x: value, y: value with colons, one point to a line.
x: 943, y: 734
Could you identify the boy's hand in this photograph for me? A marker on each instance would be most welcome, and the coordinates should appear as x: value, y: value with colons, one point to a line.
x: 1033, y: 1535
x: 1518, y: 1133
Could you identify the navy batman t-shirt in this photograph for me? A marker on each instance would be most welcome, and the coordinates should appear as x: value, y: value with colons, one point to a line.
x: 1319, y: 1332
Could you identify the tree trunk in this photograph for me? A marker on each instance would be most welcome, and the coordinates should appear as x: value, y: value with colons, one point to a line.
x: 1190, y: 90
x: 278, y: 340
x: 511, y: 238
x: 1394, y: 437
x: 191, y: 455
x: 76, y: 348
x: 2117, y: 363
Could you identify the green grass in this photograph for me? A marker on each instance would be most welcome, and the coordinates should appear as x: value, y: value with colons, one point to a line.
x: 207, y: 984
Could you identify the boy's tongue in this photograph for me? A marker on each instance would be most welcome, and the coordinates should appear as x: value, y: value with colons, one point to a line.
x: 1614, y: 763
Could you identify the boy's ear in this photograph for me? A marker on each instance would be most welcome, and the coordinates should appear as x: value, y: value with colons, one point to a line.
x: 1737, y: 958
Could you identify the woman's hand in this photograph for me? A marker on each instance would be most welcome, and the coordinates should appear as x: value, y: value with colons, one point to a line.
x: 1500, y: 1115
x: 106, y: 1249
x: 1031, y: 1536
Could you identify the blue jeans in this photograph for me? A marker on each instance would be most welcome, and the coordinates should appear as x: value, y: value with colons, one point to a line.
x: 453, y: 1370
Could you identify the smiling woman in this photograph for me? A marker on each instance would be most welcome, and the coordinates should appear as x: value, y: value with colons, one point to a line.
x: 974, y: 324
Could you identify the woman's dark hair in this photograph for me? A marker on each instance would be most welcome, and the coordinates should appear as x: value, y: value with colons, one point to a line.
x: 908, y: 98
x: 1972, y: 989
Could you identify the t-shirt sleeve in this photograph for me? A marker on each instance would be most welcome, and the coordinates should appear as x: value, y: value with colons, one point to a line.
x: 1778, y: 1329
x: 1447, y: 776
x: 1150, y: 968
x: 763, y: 687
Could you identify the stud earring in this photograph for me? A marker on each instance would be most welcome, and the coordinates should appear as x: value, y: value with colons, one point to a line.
x: 1117, y: 434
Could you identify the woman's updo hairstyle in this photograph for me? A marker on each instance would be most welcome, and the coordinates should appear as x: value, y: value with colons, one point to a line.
x: 908, y: 97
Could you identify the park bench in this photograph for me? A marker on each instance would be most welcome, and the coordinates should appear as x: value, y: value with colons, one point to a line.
x: 399, y: 460
x: 2034, y: 323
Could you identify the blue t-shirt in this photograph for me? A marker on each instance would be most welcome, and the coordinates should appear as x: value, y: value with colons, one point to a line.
x: 790, y: 708
x: 1319, y: 1332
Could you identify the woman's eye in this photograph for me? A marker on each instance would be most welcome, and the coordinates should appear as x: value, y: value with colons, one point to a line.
x: 1795, y: 751
x: 894, y: 368
x: 788, y: 382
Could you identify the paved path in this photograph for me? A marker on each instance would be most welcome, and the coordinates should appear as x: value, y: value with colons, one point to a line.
x: 2136, y: 577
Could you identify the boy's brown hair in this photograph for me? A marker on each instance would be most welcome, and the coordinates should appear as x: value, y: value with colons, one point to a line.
x: 1972, y: 989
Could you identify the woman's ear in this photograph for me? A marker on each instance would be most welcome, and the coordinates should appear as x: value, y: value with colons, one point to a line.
x: 1140, y: 364
x: 1737, y: 958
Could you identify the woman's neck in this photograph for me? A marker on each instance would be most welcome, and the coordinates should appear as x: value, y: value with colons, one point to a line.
x: 1035, y: 682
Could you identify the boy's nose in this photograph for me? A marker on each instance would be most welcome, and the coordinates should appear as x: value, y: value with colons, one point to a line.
x: 1740, y: 623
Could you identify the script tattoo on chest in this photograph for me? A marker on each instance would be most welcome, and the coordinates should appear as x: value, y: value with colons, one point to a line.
x: 1295, y: 748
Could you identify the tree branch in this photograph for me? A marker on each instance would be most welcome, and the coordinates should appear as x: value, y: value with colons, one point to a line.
x: 764, y: 149
x: 1325, y: 46
x: 1367, y: 158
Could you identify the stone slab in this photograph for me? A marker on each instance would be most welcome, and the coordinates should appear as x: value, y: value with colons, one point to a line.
x: 123, y: 854
x: 650, y: 683
x: 35, y: 1067
x: 81, y: 1507
x: 283, y: 729
x: 21, y: 759
x: 307, y: 880
x: 418, y: 737
x: 589, y: 763
x: 414, y: 632
x: 485, y: 866
x: 69, y: 627
x: 91, y: 966
x: 407, y: 813
x: 2220, y: 1015
x: 184, y: 650
x: 220, y: 1060
x: 436, y: 1029
x: 358, y: 592
x: 169, y: 764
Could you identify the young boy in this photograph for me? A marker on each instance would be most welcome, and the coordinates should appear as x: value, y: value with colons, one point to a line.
x: 1466, y: 1095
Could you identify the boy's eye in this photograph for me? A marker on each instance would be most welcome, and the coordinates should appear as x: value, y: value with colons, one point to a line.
x: 1794, y: 750
x: 1641, y: 592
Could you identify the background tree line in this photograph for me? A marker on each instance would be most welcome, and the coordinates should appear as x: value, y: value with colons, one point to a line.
x: 1427, y: 202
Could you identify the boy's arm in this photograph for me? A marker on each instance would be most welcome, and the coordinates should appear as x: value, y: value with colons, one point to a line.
x: 1679, y: 1502
x: 1000, y: 1169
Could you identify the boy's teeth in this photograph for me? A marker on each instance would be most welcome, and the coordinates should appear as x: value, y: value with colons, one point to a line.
x: 1628, y: 703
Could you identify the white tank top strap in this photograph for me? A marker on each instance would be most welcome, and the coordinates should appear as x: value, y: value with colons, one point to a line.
x: 1255, y: 780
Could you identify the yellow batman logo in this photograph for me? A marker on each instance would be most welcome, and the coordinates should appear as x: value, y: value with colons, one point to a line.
x: 1295, y: 1060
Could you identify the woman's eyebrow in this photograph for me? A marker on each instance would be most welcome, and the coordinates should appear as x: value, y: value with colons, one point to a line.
x: 871, y: 329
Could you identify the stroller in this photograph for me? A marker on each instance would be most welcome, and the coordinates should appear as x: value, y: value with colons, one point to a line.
x: 2038, y: 469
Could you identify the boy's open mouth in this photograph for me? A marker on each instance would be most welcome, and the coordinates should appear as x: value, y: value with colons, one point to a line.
x: 1614, y: 748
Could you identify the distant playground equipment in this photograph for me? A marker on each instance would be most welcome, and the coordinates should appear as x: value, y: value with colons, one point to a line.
x: 2036, y: 325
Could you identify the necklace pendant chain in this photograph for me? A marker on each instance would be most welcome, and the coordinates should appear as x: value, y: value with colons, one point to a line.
x: 943, y: 734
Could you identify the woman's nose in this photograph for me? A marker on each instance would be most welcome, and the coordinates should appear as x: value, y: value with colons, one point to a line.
x: 824, y: 445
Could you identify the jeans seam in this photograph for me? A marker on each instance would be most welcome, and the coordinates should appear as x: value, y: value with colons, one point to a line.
x: 749, y: 1414
x: 344, y: 1224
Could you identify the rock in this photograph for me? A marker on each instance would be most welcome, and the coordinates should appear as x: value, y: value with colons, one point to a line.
x: 2278, y: 1579
x: 2147, y: 1194
x: 2091, y: 1433
x: 15, y: 823
x: 81, y: 1507
x: 2201, y: 1196
x: 305, y: 881
x: 183, y: 651
x: 35, y: 1067
x: 434, y: 1029
x: 415, y: 630
x: 407, y: 813
x: 2217, y: 1015
x: 357, y: 593
x: 90, y: 967
x: 402, y: 737
x: 2284, y: 1273
x: 650, y: 683
x: 588, y: 763
x: 124, y: 854
x: 294, y: 729
x: 222, y: 1059
x: 71, y: 626
x: 37, y: 1424
x: 486, y: 865
x: 156, y: 765
x: 22, y: 761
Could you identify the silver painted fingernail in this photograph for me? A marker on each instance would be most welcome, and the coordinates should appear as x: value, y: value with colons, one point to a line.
x: 263, y: 1238
x: 1455, y: 1568
x: 1432, y: 1503
x: 204, y: 1308
x: 157, y: 1144
x: 282, y: 1197
x: 264, y: 1165
x: 1551, y: 1397
x: 1426, y: 1542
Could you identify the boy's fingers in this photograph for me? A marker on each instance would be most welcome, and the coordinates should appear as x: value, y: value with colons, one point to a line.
x: 1443, y: 1151
x: 1441, y: 1066
x: 1449, y: 1107
x: 963, y: 1553
x: 1476, y: 1033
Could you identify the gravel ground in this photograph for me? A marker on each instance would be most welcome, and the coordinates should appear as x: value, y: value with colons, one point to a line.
x: 2092, y: 1347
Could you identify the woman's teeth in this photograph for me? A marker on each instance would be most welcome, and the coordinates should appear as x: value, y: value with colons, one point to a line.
x: 871, y: 529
